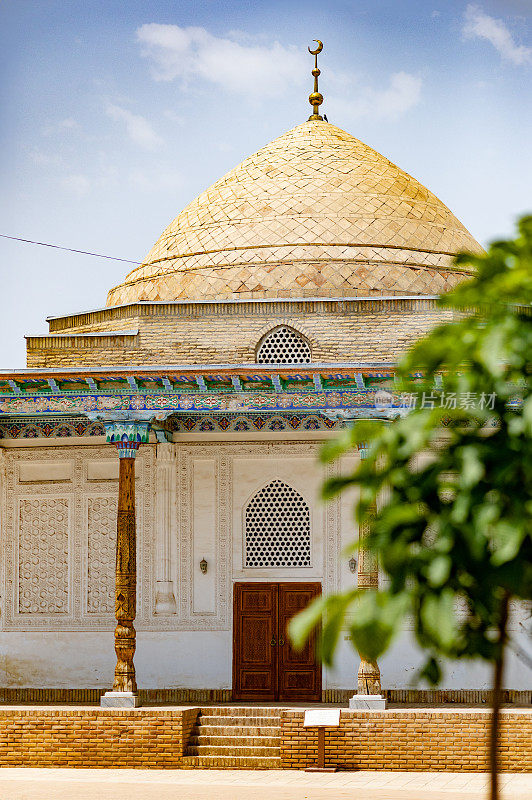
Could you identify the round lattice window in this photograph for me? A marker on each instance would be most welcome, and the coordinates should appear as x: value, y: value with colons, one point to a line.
x: 283, y: 346
x: 277, y: 528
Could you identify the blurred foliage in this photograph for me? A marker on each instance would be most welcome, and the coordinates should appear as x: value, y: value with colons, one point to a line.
x: 452, y: 478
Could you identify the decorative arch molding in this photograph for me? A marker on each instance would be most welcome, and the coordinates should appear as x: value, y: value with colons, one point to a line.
x: 283, y: 344
x: 289, y: 322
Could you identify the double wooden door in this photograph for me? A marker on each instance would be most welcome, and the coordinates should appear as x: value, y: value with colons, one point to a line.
x: 265, y: 666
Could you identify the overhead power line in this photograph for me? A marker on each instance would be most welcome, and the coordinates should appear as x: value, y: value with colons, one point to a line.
x: 69, y: 249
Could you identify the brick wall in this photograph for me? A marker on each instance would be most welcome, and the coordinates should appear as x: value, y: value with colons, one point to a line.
x: 194, y: 333
x: 94, y: 737
x: 410, y: 740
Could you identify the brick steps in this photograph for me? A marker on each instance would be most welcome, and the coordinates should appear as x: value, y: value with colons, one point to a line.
x: 241, y: 730
x: 226, y: 762
x: 237, y: 712
x: 267, y: 721
x: 220, y: 740
x: 229, y: 738
x: 234, y: 751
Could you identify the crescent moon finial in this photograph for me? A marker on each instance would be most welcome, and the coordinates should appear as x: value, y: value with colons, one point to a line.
x: 315, y: 98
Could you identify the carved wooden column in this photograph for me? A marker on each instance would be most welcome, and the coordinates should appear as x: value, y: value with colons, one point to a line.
x: 127, y: 436
x: 369, y: 676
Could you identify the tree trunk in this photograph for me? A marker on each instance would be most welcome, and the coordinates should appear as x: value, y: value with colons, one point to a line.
x: 496, y: 700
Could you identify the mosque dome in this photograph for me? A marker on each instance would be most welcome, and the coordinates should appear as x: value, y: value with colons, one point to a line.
x: 315, y: 213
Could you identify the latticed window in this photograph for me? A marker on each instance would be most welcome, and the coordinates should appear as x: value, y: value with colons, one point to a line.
x: 277, y: 528
x: 283, y: 346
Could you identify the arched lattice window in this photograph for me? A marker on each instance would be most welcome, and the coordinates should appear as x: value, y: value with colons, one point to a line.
x: 277, y: 528
x: 283, y: 346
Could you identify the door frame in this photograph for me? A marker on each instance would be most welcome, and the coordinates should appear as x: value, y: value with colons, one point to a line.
x: 319, y: 670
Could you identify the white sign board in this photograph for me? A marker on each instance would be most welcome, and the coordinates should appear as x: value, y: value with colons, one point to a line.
x: 322, y: 718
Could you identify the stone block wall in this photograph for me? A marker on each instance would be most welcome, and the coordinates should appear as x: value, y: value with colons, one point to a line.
x: 444, y: 740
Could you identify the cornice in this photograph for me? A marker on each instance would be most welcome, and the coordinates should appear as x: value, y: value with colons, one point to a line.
x: 258, y: 306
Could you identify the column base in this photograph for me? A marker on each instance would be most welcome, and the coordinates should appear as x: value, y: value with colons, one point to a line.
x: 367, y: 702
x: 119, y: 700
x: 165, y: 604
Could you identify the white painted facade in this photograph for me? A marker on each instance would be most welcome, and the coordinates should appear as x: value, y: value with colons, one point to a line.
x: 58, y: 533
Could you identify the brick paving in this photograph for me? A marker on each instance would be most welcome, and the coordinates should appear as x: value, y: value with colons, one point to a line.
x: 94, y: 784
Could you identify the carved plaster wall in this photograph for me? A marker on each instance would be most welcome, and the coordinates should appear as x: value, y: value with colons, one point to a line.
x: 58, y: 533
x: 58, y: 530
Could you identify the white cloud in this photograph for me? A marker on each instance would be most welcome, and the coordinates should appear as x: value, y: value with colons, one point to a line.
x: 139, y: 130
x: 61, y: 125
x: 66, y: 124
x: 479, y: 25
x: 175, y: 118
x: 43, y: 159
x: 78, y: 184
x: 248, y: 66
x: 402, y: 94
x: 352, y: 100
x: 252, y: 69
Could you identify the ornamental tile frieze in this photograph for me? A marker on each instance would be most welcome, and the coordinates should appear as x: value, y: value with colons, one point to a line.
x: 363, y: 399
x: 242, y: 423
x: 232, y: 422
x: 48, y: 428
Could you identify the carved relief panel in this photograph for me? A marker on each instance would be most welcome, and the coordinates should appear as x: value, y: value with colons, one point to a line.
x: 58, y: 529
x: 101, y: 550
x: 43, y: 555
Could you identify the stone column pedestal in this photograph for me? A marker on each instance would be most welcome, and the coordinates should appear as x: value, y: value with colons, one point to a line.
x: 367, y: 702
x: 369, y: 695
x: 120, y: 700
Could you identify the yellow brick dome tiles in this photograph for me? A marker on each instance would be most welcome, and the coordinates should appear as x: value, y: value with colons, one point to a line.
x: 315, y: 213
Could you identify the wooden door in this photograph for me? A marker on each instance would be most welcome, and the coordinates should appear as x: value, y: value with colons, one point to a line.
x: 254, y: 641
x: 299, y: 672
x: 265, y: 667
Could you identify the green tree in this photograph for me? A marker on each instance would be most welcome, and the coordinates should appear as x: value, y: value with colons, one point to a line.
x: 453, y: 483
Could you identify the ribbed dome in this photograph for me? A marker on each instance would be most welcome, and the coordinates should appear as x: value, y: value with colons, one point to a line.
x: 315, y: 213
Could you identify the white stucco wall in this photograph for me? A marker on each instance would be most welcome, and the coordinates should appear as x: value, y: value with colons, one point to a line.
x: 199, y: 660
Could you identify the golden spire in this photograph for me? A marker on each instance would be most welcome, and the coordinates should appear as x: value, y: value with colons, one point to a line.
x: 315, y: 99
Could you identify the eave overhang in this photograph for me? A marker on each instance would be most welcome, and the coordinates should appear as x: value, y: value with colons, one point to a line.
x: 209, y: 388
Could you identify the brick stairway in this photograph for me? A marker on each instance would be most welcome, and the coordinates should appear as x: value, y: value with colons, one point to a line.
x: 246, y: 738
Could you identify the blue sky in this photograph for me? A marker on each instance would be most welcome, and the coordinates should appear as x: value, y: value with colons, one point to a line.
x: 116, y: 114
